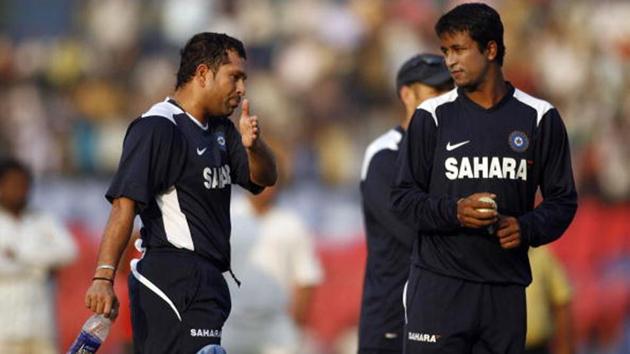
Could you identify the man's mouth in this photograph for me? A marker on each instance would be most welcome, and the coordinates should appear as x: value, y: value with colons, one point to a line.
x: 456, y: 73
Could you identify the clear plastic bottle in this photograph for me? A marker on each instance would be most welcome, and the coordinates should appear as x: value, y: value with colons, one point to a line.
x: 212, y: 349
x: 93, y: 334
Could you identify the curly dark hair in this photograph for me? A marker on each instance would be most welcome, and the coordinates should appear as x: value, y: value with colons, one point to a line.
x: 206, y: 48
x: 481, y: 21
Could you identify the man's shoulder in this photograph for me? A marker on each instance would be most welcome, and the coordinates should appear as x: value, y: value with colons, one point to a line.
x: 163, y: 109
x: 387, y: 141
x: 431, y: 105
x: 539, y: 105
x: 159, y: 117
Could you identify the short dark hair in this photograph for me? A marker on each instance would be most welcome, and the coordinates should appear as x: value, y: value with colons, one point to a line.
x: 10, y: 164
x: 206, y: 48
x: 481, y: 21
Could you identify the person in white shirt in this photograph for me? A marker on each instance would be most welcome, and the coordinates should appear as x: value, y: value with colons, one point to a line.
x: 32, y: 245
x: 274, y: 256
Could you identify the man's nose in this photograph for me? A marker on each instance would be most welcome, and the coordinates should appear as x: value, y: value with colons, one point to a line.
x: 240, y: 88
x: 450, y: 60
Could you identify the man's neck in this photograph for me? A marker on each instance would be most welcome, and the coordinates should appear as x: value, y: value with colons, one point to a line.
x: 406, y: 120
x: 186, y: 100
x: 410, y: 106
x: 488, y: 93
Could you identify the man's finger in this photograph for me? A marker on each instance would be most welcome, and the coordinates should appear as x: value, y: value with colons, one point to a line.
x: 107, y: 309
x: 508, y: 223
x: 476, y: 204
x: 510, y: 241
x: 503, y: 223
x: 481, y: 215
x: 245, y: 108
x: 506, y: 231
x: 475, y: 223
x: 509, y: 238
x: 99, y: 307
x: 511, y: 244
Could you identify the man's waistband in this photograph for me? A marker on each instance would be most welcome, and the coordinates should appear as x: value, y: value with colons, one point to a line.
x: 209, y: 260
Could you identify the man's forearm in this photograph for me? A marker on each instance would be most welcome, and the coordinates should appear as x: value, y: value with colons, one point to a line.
x: 549, y: 220
x: 423, y: 211
x: 116, y: 236
x: 262, y: 165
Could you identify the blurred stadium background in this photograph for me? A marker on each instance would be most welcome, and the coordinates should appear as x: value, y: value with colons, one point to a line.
x: 74, y: 73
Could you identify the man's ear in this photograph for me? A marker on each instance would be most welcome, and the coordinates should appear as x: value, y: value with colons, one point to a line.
x: 404, y: 93
x: 491, y: 50
x: 203, y: 73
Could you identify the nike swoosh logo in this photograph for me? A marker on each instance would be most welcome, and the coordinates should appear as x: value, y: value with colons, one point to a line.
x: 200, y: 152
x: 450, y: 147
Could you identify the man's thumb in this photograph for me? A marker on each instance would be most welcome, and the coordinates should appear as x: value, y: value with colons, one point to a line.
x: 245, y: 108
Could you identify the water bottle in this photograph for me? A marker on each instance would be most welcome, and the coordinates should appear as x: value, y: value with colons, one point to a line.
x: 212, y: 349
x: 93, y: 334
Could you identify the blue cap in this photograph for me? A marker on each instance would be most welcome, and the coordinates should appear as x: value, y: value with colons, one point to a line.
x: 428, y: 69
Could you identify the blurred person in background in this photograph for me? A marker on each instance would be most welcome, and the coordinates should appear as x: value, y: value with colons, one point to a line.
x: 273, y: 253
x: 178, y: 164
x: 389, y: 239
x: 32, y: 246
x: 486, y: 139
x: 549, y: 320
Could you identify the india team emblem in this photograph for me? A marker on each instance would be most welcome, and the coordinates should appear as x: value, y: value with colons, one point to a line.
x: 221, y: 140
x: 518, y: 141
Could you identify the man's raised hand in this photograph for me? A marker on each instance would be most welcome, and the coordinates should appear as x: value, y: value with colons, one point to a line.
x: 248, y: 125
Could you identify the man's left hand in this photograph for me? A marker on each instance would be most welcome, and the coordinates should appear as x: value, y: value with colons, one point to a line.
x: 509, y: 232
x: 248, y: 125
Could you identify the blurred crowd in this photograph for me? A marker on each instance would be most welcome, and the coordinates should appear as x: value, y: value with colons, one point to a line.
x: 74, y: 73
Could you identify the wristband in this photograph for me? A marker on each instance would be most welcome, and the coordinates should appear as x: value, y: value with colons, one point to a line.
x: 103, y: 278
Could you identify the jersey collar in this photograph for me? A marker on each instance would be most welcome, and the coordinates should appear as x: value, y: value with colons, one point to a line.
x: 508, y: 96
x: 174, y: 103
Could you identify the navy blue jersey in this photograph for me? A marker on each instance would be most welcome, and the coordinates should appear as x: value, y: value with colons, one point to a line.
x: 389, y: 243
x: 455, y: 148
x: 180, y: 174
